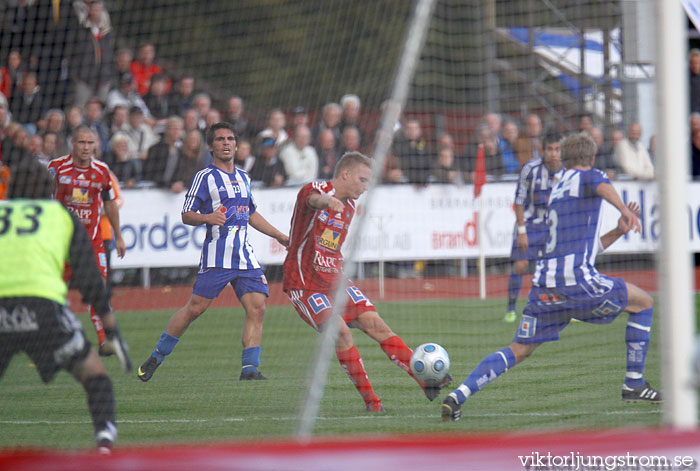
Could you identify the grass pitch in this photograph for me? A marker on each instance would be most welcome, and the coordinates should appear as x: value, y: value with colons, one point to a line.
x: 195, y: 395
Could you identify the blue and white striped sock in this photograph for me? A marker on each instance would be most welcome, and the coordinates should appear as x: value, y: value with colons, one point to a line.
x: 490, y: 368
x: 515, y: 282
x: 637, y: 336
x: 165, y: 346
x: 250, y: 359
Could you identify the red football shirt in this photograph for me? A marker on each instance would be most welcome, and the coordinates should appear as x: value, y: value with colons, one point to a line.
x: 314, y: 260
x: 82, y: 190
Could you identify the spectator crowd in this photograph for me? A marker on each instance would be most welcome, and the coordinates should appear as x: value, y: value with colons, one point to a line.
x: 151, y: 123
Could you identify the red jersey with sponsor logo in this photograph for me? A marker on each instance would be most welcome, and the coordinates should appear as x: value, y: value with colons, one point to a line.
x: 314, y: 260
x: 82, y: 190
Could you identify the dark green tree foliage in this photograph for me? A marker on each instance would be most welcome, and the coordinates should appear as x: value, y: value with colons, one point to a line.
x: 284, y: 53
x: 274, y: 52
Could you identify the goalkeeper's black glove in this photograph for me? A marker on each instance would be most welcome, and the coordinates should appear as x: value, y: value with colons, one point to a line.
x: 115, y: 345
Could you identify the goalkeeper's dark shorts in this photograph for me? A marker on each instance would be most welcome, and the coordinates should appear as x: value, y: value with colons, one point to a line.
x: 45, y: 330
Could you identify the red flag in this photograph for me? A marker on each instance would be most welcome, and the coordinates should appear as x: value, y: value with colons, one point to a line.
x: 479, y: 171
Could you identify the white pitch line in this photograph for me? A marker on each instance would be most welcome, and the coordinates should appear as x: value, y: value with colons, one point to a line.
x: 131, y: 421
x: 335, y: 418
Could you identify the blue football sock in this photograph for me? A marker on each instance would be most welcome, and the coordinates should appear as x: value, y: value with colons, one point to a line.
x: 250, y: 359
x: 490, y: 368
x: 515, y: 282
x: 165, y: 346
x: 637, y: 338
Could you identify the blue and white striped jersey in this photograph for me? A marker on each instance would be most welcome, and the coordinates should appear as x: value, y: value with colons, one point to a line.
x: 533, y: 189
x: 224, y: 246
x: 573, y: 218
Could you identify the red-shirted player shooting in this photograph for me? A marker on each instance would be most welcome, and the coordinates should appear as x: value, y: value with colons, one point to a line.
x: 313, y: 266
x: 83, y: 185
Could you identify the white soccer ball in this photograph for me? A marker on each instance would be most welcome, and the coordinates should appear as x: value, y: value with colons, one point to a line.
x: 430, y: 363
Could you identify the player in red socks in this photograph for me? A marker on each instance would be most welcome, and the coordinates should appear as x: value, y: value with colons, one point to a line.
x: 84, y: 187
x: 320, y: 223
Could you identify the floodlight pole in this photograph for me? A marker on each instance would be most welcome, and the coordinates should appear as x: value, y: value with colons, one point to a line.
x: 676, y: 316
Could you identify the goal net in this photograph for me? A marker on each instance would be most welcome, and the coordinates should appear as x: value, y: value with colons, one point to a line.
x: 493, y: 87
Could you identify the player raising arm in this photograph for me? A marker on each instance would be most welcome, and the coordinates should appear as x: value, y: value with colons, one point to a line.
x: 567, y: 285
x: 37, y: 237
x: 313, y: 266
x: 220, y: 198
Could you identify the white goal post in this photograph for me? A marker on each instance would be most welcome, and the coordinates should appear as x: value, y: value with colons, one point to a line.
x: 676, y: 317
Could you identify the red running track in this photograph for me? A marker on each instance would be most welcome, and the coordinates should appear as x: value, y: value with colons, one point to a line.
x: 174, y: 297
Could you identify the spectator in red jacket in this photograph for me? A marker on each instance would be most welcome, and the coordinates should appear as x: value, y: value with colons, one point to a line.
x: 11, y: 74
x: 144, y: 67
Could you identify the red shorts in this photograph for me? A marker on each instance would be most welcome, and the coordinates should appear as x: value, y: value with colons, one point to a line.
x: 98, y: 248
x: 316, y: 307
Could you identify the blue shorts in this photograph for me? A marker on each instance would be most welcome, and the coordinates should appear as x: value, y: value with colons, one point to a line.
x: 212, y: 281
x: 549, y: 310
x: 536, y: 240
